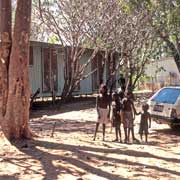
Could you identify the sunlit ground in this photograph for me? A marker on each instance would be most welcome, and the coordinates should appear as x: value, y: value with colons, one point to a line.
x: 71, y: 154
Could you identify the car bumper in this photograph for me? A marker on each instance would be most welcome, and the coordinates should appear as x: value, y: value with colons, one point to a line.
x: 165, y: 120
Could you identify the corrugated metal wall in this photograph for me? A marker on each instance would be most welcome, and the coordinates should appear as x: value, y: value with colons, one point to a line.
x: 36, y: 70
x: 61, y: 65
x: 86, y: 84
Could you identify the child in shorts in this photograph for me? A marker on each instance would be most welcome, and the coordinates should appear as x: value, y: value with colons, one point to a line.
x: 144, y: 124
x: 103, y: 101
x: 115, y: 115
x: 128, y: 115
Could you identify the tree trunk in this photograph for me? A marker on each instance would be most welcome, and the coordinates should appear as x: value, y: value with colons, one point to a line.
x: 5, y: 48
x: 16, y: 115
x: 174, y: 53
x: 70, y: 72
x: 67, y: 91
x: 173, y: 49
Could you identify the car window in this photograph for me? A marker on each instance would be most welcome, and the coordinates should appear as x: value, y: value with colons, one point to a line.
x: 167, y: 95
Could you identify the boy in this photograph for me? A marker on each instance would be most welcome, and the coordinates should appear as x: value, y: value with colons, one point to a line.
x: 115, y: 115
x: 144, y: 125
x: 103, y: 109
x: 128, y: 114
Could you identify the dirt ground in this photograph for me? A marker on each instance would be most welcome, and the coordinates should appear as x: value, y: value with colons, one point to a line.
x: 72, y: 155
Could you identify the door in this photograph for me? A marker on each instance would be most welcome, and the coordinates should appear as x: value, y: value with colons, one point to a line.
x: 97, y: 67
x: 49, y: 70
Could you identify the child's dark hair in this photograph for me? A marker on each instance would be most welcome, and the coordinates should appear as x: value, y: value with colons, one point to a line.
x: 121, y: 94
x: 115, y: 95
x: 103, y: 87
x: 129, y: 94
x: 145, y: 107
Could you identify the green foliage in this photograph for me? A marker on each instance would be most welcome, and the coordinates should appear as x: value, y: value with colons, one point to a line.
x: 166, y: 18
x: 53, y: 39
x: 133, y: 5
x: 160, y: 69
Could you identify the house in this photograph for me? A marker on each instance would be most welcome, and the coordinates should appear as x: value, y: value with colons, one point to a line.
x: 163, y: 72
x: 46, y: 67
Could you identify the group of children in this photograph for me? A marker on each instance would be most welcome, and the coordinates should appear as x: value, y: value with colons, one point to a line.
x: 119, y: 109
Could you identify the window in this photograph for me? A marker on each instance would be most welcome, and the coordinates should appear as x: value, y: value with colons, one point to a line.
x: 49, y: 64
x: 31, y: 56
x: 54, y: 70
x: 97, y: 67
x: 167, y: 95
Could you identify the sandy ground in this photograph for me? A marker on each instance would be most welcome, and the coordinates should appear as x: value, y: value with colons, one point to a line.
x: 72, y: 155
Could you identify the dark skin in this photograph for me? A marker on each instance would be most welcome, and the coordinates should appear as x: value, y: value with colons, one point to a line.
x: 102, y: 102
x: 145, y: 117
x: 116, y: 115
x: 128, y: 106
x: 118, y: 133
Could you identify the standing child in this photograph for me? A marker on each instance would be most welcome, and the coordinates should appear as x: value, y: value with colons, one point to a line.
x: 115, y: 115
x: 128, y: 115
x: 144, y: 125
x: 103, y: 109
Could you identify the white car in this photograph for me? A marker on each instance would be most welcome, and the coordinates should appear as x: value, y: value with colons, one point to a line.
x: 164, y: 106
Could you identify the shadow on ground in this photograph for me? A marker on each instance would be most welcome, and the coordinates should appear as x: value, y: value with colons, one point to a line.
x: 62, y: 158
x: 169, y: 131
x: 62, y: 125
x: 48, y: 109
x: 7, y: 177
x: 84, y: 157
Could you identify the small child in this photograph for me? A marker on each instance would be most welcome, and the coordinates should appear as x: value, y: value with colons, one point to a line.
x: 115, y: 115
x: 128, y: 115
x: 103, y: 101
x: 145, y: 116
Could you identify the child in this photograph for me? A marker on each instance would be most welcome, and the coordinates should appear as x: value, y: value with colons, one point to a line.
x: 115, y: 115
x: 128, y: 115
x: 103, y: 109
x: 145, y: 116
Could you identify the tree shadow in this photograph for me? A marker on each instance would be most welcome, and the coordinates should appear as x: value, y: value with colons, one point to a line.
x: 51, y: 171
x: 39, y: 111
x: 167, y: 136
x: 8, y: 177
x: 88, y: 127
x: 168, y: 131
x: 83, y: 157
x: 63, y: 125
